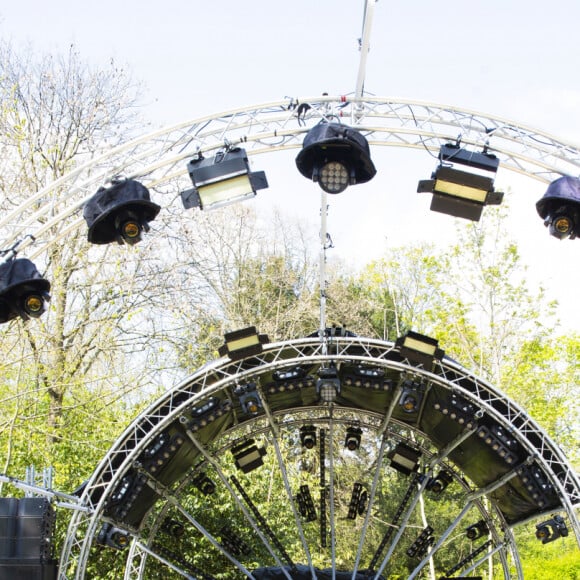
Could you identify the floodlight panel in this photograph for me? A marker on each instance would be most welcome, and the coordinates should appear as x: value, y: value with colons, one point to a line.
x: 461, y: 191
x: 243, y: 343
x: 224, y: 192
x: 420, y: 346
x: 404, y: 462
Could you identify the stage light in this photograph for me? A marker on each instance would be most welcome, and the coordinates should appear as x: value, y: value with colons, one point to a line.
x: 404, y: 458
x: 158, y: 454
x: 289, y: 380
x: 560, y: 207
x: 306, y: 504
x: 232, y: 542
x: 500, y: 441
x: 419, y: 547
x: 411, y: 397
x: 23, y: 291
x: 328, y: 384
x: 205, y: 414
x: 551, y: 530
x: 537, y: 485
x: 352, y: 439
x: 248, y: 456
x: 242, y: 343
x: 204, y: 484
x: 358, y: 501
x: 119, y: 213
x: 419, y: 349
x: 221, y: 180
x: 308, y: 436
x: 335, y: 156
x: 477, y: 530
x: 249, y: 398
x: 439, y: 483
x: 113, y: 537
x: 367, y: 377
x: 458, y: 409
x: 173, y: 528
x: 124, y: 496
x: 459, y: 193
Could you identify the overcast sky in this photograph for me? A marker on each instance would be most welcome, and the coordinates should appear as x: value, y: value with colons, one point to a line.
x: 516, y: 59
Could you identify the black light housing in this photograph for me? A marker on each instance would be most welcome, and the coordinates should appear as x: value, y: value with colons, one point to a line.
x: 119, y: 213
x: 113, y: 537
x: 328, y: 384
x: 352, y: 438
x: 335, y: 156
x: 249, y: 398
x: 248, y: 456
x: 221, y: 180
x: 477, y: 530
x: 308, y: 436
x: 560, y: 207
x: 23, y: 291
x: 551, y: 530
x: 440, y: 482
x: 459, y: 193
x: 404, y: 458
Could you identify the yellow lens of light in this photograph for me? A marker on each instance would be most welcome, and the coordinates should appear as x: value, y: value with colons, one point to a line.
x: 33, y: 303
x: 131, y: 229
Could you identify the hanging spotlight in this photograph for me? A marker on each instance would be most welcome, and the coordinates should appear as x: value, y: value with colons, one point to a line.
x: 308, y: 436
x: 439, y: 483
x: 242, y: 343
x: 477, y: 530
x: 119, y: 213
x: 249, y: 398
x: 411, y: 397
x: 248, y: 456
x: 113, y: 537
x: 335, y: 156
x: 404, y: 458
x: 221, y: 180
x: 204, y: 484
x: 358, y: 501
x: 560, y: 207
x: 23, y: 291
x: 352, y: 439
x: 328, y: 384
x: 173, y: 528
x: 551, y: 530
x: 419, y: 349
x: 459, y: 193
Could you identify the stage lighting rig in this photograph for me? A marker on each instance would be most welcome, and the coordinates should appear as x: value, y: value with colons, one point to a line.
x: 560, y: 207
x: 460, y: 193
x: 119, y: 213
x: 335, y: 156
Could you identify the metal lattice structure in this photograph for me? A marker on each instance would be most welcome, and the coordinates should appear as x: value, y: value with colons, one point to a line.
x: 286, y: 404
x: 159, y: 159
x: 192, y: 429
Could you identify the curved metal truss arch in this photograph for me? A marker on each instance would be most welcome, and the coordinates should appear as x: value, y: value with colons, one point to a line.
x: 159, y: 158
x: 144, y: 482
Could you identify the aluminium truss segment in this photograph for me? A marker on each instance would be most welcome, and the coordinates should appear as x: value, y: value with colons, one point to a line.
x: 207, y: 414
x: 159, y: 158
